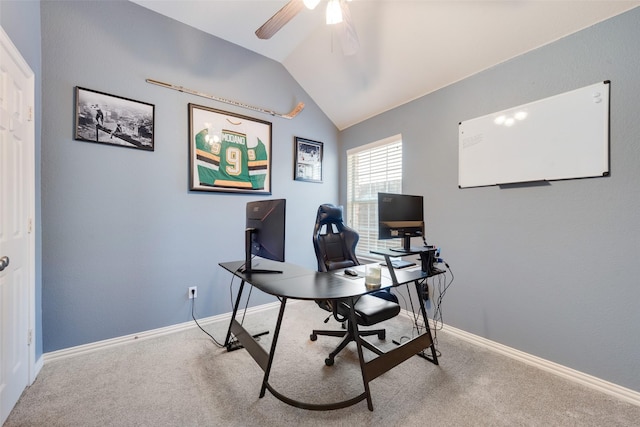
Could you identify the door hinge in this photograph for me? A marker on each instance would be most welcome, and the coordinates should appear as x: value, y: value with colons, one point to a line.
x: 30, y: 114
x: 30, y: 337
x: 30, y: 226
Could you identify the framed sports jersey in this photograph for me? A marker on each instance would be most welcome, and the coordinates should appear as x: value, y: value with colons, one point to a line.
x: 228, y: 152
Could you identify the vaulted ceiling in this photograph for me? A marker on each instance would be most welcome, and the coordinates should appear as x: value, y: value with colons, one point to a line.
x: 408, y: 48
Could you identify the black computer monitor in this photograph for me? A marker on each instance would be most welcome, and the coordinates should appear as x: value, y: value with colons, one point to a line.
x: 264, y: 233
x: 400, y: 216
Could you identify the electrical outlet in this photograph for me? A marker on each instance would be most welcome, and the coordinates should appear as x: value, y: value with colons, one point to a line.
x: 193, y: 292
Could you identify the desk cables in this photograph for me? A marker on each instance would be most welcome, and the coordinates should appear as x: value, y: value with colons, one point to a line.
x: 233, y: 343
x: 193, y: 316
x: 441, y: 284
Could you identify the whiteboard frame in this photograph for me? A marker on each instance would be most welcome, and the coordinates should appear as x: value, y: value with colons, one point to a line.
x: 565, y: 136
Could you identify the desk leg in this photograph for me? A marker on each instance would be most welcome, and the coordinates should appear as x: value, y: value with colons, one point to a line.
x: 392, y: 272
x: 434, y: 358
x: 354, y: 324
x: 276, y: 333
x: 233, y: 316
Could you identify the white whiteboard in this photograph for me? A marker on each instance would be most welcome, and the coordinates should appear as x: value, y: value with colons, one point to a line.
x: 560, y: 137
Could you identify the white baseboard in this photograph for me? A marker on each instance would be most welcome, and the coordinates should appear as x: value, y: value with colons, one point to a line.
x: 590, y: 381
x: 36, y: 368
x: 98, y: 345
x: 587, y: 380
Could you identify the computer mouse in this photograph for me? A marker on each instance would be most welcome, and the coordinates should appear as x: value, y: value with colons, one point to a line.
x: 350, y: 272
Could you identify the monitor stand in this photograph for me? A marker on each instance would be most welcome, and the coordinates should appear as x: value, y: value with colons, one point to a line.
x: 248, y: 270
x: 406, y: 247
x: 248, y: 238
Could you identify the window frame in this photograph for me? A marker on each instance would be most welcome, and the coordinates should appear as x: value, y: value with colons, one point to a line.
x: 362, y: 202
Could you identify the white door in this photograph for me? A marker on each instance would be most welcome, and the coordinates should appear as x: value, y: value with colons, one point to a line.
x: 16, y: 225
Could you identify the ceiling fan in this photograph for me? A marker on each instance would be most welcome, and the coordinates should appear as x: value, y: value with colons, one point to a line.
x: 338, y: 15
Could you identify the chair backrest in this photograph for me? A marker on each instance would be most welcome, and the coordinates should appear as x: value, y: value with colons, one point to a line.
x: 334, y: 241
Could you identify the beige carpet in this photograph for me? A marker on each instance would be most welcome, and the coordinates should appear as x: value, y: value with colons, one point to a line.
x: 184, y: 379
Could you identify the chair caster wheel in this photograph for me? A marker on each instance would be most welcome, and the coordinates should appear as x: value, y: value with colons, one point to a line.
x: 328, y: 361
x: 382, y: 335
x: 313, y: 337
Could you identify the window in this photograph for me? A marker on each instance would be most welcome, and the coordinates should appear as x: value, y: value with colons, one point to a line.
x: 371, y: 169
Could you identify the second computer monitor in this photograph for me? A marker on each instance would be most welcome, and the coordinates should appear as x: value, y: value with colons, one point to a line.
x: 265, y: 232
x: 400, y: 216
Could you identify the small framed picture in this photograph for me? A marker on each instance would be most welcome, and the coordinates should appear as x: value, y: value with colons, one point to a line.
x: 228, y: 152
x: 308, y: 160
x: 113, y: 120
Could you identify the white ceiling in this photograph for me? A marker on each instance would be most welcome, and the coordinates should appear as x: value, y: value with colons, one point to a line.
x: 408, y: 48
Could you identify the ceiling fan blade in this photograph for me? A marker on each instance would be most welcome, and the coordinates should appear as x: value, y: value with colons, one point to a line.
x: 279, y: 19
x: 347, y: 31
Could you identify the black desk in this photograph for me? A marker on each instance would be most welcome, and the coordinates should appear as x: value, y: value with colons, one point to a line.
x: 296, y: 282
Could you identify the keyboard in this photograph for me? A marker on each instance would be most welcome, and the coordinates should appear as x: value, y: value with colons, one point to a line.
x: 398, y: 263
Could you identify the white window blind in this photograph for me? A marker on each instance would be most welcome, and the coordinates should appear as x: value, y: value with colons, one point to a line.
x: 371, y: 169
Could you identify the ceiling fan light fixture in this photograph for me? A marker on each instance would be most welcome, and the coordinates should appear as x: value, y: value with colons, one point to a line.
x: 311, y: 4
x: 334, y: 12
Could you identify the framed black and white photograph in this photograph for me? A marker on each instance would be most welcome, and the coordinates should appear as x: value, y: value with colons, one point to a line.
x: 308, y: 160
x: 228, y: 152
x: 113, y: 120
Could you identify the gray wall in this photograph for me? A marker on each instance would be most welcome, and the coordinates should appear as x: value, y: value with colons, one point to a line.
x: 550, y: 270
x: 21, y: 21
x: 123, y: 238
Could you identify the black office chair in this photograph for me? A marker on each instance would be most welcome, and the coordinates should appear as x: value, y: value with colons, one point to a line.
x: 335, y: 244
